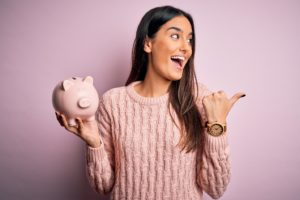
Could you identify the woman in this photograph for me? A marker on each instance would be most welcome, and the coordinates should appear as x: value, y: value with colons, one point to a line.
x: 163, y: 135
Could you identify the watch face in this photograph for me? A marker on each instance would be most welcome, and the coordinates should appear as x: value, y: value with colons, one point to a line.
x: 216, y: 129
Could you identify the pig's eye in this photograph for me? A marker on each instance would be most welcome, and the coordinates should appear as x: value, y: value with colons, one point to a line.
x: 73, y: 78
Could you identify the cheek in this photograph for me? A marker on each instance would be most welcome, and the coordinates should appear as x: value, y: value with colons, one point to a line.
x: 164, y: 50
x: 161, y: 54
x: 190, y: 52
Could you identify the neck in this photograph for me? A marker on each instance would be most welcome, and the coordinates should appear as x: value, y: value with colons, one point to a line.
x: 151, y: 87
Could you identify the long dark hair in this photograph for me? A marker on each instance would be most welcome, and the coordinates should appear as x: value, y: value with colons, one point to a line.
x: 183, y: 92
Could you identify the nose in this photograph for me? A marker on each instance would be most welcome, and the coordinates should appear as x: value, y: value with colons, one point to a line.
x: 185, y: 46
x: 84, y: 103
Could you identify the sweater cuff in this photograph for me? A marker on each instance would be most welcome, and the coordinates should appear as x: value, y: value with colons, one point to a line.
x: 95, y: 154
x: 216, y: 144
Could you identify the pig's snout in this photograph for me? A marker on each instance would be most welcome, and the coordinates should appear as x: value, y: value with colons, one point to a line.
x: 84, y: 103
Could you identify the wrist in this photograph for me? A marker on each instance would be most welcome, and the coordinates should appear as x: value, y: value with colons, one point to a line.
x: 218, y: 120
x: 95, y: 143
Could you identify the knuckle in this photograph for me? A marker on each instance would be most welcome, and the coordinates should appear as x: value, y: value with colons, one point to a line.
x: 205, y: 99
x: 216, y: 95
x: 219, y: 97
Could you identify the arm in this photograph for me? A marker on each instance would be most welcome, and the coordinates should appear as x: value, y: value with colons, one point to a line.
x: 213, y: 166
x: 100, y: 160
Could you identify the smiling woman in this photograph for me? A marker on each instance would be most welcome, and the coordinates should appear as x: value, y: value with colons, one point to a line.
x: 150, y: 140
x: 169, y: 50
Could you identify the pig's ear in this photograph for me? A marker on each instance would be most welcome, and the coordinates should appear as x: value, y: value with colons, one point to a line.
x: 67, y: 84
x: 88, y: 80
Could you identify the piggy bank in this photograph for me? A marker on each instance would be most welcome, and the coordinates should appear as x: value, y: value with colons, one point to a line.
x: 76, y: 97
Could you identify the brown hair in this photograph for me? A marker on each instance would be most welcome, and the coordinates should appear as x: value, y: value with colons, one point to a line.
x: 182, y: 92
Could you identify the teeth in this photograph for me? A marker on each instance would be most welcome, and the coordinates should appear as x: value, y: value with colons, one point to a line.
x: 178, y: 57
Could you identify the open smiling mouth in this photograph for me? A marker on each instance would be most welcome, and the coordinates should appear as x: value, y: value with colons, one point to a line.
x: 179, y: 60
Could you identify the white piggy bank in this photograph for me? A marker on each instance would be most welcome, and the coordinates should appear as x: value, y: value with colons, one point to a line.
x: 76, y: 97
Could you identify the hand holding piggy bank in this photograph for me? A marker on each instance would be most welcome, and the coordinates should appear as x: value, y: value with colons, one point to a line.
x: 76, y: 97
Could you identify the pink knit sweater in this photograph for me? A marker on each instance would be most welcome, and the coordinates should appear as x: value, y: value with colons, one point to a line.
x: 140, y: 160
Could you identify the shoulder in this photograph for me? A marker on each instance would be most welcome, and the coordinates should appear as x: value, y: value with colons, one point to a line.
x: 110, y: 99
x: 113, y: 93
x: 112, y: 96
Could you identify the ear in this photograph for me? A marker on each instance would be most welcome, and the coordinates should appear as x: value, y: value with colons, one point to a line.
x: 88, y: 80
x: 147, y: 45
x: 67, y: 84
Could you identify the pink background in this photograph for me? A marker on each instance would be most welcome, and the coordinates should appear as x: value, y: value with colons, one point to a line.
x: 250, y: 46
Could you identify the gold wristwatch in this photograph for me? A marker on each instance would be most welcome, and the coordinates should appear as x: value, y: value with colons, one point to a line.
x: 216, y: 128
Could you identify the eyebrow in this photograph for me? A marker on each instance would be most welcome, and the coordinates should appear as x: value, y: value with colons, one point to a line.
x: 177, y: 29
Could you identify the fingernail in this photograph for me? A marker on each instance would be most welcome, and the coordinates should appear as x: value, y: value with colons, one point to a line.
x: 243, y: 95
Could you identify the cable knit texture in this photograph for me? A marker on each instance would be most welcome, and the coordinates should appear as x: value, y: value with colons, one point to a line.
x: 139, y: 159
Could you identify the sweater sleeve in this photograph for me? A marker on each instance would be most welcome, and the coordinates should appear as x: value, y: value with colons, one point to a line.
x: 213, y: 167
x: 100, y: 161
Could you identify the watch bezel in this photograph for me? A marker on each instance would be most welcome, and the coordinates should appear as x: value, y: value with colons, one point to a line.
x: 210, y: 126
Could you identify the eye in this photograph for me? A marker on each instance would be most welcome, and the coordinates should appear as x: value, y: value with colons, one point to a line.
x: 190, y: 41
x: 175, y: 36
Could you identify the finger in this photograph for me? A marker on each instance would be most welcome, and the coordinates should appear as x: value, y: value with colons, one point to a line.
x: 206, y: 99
x: 236, y: 97
x: 80, y: 123
x: 57, y: 116
x: 217, y: 95
x: 64, y: 120
x: 59, y: 119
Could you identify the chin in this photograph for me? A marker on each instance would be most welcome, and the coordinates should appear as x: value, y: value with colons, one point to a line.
x: 176, y: 78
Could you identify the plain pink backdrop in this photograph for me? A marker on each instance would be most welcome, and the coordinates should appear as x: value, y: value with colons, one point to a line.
x: 250, y: 46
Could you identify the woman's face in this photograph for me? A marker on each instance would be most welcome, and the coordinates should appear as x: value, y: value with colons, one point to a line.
x: 170, y: 49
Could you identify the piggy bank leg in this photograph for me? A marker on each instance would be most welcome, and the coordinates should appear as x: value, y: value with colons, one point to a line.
x: 91, y: 119
x: 72, y: 122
